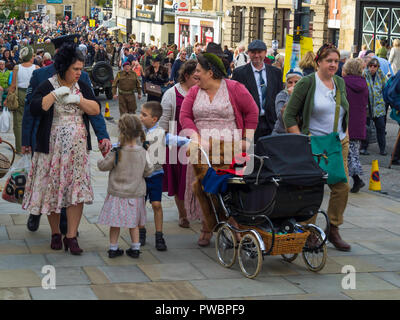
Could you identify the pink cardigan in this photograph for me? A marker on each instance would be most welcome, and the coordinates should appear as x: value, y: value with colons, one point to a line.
x: 245, y: 109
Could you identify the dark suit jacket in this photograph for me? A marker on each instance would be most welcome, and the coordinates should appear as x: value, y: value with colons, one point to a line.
x: 30, y: 123
x: 245, y: 75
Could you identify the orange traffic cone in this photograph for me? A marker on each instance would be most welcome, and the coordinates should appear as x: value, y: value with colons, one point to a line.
x: 375, y: 180
x: 107, y: 115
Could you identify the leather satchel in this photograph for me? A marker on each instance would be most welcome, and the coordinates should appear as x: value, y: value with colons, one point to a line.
x: 153, y: 89
x: 12, y: 97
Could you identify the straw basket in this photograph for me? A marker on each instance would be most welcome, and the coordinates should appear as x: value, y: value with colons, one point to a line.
x: 5, y: 163
x: 285, y: 243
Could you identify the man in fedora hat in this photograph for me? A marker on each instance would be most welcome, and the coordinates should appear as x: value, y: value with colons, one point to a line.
x: 264, y: 82
x: 30, y: 124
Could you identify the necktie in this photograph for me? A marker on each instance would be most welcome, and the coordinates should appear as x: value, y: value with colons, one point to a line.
x: 263, y: 89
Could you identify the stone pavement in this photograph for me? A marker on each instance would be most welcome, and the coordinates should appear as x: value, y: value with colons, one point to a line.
x: 186, y: 271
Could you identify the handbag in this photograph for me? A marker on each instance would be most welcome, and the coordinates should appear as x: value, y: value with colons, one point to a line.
x: 152, y: 89
x: 327, y: 150
x: 12, y: 97
x: 5, y: 163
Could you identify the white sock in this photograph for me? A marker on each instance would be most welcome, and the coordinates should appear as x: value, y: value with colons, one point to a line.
x: 114, y: 246
x: 135, y: 246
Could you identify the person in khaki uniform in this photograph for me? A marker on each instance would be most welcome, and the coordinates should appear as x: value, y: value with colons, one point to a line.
x: 127, y: 83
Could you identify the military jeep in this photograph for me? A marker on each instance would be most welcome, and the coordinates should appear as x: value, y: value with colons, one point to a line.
x: 101, y: 74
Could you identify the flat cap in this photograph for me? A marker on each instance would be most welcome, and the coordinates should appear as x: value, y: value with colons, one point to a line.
x: 59, y: 41
x: 257, y: 45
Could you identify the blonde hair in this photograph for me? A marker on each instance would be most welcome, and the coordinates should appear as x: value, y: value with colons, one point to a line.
x: 396, y: 43
x: 130, y: 128
x: 308, y: 61
x: 364, y: 47
x: 353, y: 67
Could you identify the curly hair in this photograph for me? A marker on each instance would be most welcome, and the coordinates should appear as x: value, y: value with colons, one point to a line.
x: 66, y: 56
x: 353, y: 67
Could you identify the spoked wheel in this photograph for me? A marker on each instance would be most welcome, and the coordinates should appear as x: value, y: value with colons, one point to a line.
x: 289, y: 257
x: 322, y: 221
x: 250, y: 256
x: 226, y: 246
x: 314, y: 251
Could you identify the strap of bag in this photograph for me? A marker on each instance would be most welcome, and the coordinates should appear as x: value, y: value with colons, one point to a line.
x: 337, y: 109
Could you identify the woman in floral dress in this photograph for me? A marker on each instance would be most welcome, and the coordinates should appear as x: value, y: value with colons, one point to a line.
x: 60, y: 174
x: 217, y: 104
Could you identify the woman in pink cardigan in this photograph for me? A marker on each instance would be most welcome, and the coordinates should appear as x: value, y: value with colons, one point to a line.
x: 218, y: 104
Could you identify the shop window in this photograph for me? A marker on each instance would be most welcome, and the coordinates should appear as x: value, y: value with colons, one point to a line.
x: 238, y: 24
x: 261, y: 19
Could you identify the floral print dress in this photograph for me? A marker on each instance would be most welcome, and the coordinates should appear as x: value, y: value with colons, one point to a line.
x: 61, y: 178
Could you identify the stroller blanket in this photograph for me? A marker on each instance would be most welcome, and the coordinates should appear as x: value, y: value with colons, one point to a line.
x: 215, y: 183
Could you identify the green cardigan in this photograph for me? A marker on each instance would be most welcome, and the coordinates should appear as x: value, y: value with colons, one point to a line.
x: 301, y: 103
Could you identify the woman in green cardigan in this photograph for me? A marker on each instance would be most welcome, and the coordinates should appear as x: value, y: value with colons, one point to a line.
x: 313, y: 99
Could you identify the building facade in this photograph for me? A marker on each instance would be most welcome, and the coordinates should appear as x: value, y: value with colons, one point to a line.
x: 70, y: 8
x: 198, y: 21
x: 245, y: 21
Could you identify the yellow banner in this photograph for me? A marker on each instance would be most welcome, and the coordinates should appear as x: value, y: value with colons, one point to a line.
x: 306, y: 44
x: 92, y: 23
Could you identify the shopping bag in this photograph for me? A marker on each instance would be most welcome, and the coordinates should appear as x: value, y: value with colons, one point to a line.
x: 5, y: 119
x: 328, y: 154
x: 14, y: 188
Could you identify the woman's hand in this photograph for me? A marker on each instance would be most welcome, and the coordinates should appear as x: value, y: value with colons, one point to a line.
x: 60, y: 93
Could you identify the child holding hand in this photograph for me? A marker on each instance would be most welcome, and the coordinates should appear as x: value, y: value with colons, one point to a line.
x: 124, y: 205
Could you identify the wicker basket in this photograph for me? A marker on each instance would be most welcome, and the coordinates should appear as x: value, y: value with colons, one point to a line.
x: 5, y: 163
x: 285, y: 243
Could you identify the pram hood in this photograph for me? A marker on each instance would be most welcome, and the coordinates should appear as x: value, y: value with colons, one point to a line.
x: 290, y: 160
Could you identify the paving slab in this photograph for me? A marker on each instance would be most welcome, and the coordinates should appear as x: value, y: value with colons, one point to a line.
x: 308, y: 296
x: 243, y: 287
x: 374, y: 294
x: 124, y: 274
x: 22, y: 219
x: 69, y: 260
x: 358, y: 263
x: 63, y: 293
x: 357, y: 249
x: 67, y: 276
x: 367, y: 234
x: 19, y: 278
x: 332, y: 283
x: 177, y: 290
x: 13, y: 247
x: 20, y: 232
x: 6, y: 220
x: 175, y: 241
x: 383, y: 247
x: 215, y: 270
x: 386, y: 262
x: 391, y: 277
x: 96, y: 276
x: 171, y: 272
x: 14, y: 294
x: 3, y: 233
x: 145, y: 258
x: 21, y: 261
x: 173, y: 255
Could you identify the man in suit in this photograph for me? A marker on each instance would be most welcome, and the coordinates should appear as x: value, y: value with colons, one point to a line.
x: 264, y: 82
x: 30, y: 124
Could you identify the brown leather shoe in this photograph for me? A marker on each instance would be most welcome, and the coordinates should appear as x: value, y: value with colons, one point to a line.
x: 336, y: 240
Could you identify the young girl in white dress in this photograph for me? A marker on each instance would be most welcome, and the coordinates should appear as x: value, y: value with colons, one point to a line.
x: 124, y: 205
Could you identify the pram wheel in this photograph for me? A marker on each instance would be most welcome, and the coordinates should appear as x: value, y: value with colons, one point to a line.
x: 250, y: 256
x: 225, y: 245
x: 314, y: 251
x: 290, y: 257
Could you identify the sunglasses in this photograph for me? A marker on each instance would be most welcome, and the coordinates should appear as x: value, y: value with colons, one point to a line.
x: 373, y: 65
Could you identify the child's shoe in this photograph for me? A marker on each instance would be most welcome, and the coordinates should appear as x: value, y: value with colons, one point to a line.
x: 115, y: 253
x: 160, y: 242
x: 133, y: 253
x: 142, y: 236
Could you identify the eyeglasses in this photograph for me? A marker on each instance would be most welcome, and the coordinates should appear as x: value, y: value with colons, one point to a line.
x: 373, y: 65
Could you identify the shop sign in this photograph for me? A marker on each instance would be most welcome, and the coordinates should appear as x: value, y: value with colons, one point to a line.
x: 184, y: 21
x: 183, y: 5
x: 55, y: 1
x: 145, y: 15
x: 208, y: 24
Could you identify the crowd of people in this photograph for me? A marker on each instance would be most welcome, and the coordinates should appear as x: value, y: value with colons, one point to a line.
x: 197, y: 87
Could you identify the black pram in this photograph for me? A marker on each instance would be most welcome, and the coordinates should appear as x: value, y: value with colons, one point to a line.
x: 284, y: 188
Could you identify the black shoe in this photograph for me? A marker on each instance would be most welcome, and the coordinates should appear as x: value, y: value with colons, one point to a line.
x: 133, y: 253
x: 364, y: 152
x: 383, y: 153
x: 142, y: 236
x: 358, y: 184
x: 33, y: 222
x: 396, y: 162
x: 115, y: 253
x: 160, y: 242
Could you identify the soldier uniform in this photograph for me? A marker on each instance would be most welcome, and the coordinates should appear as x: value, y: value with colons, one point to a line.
x: 127, y: 83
